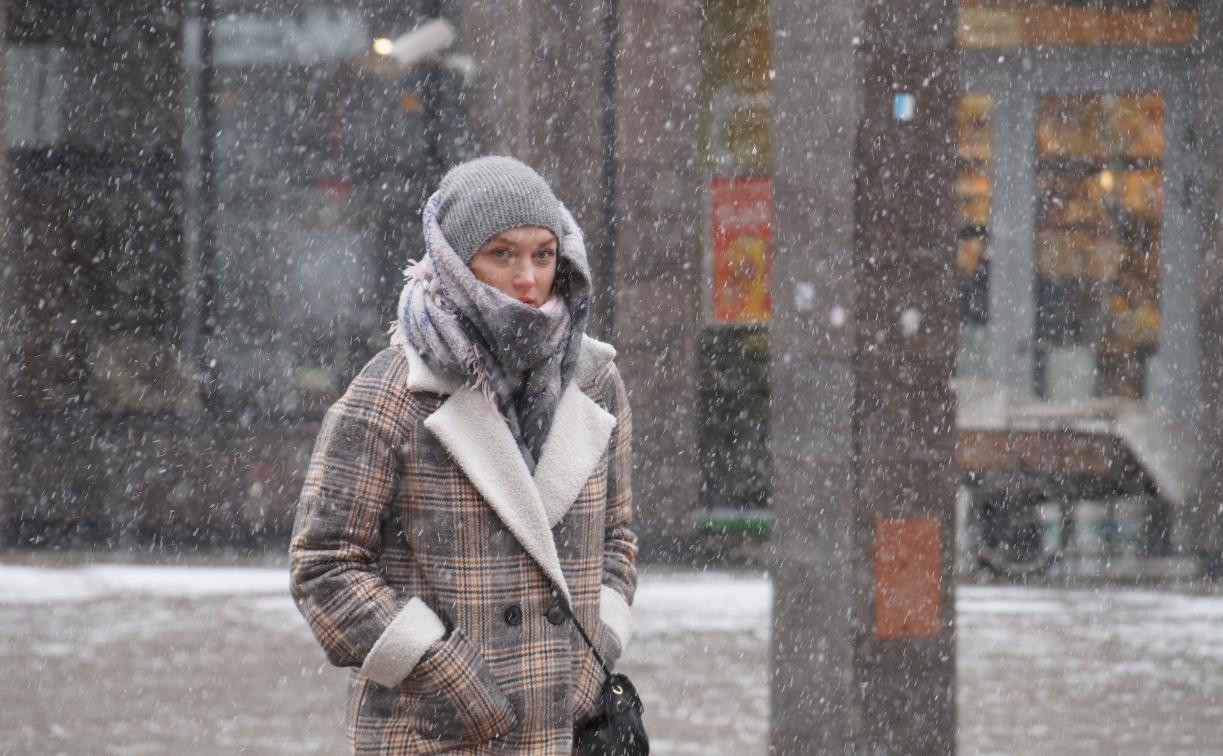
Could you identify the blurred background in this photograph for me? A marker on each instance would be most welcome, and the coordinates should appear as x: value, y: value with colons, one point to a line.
x: 209, y: 204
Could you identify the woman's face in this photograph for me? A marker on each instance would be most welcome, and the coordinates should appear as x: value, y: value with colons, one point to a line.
x: 518, y: 262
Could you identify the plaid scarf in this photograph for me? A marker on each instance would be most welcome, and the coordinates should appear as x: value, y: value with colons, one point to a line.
x: 519, y: 356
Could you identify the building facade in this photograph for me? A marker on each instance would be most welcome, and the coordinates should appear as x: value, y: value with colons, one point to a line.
x: 210, y: 202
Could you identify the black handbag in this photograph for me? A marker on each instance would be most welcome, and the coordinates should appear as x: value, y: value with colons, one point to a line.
x: 616, y: 728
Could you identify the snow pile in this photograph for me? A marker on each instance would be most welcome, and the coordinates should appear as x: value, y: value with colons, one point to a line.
x: 667, y: 600
x: 683, y: 600
x: 23, y: 585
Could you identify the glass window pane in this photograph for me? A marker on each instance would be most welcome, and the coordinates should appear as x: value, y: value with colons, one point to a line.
x: 323, y: 155
x: 94, y: 141
x: 1098, y: 226
x: 974, y: 190
x: 35, y: 94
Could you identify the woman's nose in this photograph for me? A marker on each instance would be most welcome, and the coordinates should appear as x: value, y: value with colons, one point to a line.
x: 524, y: 277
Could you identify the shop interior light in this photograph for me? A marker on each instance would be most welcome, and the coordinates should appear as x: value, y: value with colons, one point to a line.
x: 1107, y: 180
x: 383, y: 46
x: 431, y: 38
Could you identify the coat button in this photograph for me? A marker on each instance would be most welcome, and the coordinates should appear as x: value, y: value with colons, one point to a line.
x: 513, y: 615
x: 556, y: 613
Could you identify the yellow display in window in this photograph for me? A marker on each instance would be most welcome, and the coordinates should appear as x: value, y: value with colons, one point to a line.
x: 1020, y: 23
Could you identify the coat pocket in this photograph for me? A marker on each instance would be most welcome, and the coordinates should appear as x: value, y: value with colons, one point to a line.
x: 453, y: 697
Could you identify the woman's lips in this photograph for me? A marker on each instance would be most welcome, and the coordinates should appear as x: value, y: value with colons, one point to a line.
x: 527, y: 300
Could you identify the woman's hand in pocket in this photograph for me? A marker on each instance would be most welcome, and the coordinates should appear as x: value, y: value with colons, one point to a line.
x: 454, y: 696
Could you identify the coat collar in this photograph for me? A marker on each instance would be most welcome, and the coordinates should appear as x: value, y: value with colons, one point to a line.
x: 421, y: 377
x: 478, y: 439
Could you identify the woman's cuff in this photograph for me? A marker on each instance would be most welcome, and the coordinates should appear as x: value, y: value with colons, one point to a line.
x: 616, y: 614
x: 403, y: 643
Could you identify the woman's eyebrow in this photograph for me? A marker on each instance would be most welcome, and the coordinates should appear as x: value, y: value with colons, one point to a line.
x: 499, y: 239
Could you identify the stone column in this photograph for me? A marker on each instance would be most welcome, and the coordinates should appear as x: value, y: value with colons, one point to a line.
x: 657, y: 211
x: 863, y: 339
x: 8, y: 349
x: 543, y: 95
x: 1205, y: 517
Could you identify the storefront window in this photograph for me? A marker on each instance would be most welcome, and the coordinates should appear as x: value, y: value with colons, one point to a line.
x: 322, y: 157
x: 735, y: 88
x: 974, y: 188
x: 93, y: 142
x: 36, y: 94
x: 736, y: 147
x: 1098, y: 226
x: 1067, y: 23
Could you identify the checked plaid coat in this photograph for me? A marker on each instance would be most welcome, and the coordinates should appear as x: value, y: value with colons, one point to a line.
x: 426, y: 556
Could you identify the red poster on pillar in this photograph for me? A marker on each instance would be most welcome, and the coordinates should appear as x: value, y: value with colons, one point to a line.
x: 908, y: 576
x: 742, y: 242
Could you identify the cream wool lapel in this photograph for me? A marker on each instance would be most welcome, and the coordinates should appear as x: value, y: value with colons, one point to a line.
x: 482, y: 445
x: 578, y: 437
x: 576, y: 442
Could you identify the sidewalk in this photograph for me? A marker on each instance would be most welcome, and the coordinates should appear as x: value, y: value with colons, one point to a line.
x: 205, y: 660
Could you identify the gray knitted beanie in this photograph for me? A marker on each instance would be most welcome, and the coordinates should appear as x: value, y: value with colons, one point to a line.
x: 485, y: 196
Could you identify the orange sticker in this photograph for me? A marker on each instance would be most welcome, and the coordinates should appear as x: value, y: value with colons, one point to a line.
x: 411, y: 103
x: 908, y: 571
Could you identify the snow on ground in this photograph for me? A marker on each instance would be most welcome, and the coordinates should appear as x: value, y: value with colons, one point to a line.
x: 667, y: 601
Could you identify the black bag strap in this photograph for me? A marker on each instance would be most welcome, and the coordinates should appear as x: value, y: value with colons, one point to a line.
x: 569, y: 610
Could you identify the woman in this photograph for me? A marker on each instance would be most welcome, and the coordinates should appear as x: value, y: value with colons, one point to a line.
x: 472, y: 486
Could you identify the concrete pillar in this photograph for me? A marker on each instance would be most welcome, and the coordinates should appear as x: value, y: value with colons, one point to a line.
x: 863, y: 339
x: 8, y: 349
x: 543, y: 95
x: 658, y: 256
x: 1206, y: 514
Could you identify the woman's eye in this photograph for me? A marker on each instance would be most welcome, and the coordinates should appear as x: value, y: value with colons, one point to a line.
x: 501, y: 252
x: 545, y: 254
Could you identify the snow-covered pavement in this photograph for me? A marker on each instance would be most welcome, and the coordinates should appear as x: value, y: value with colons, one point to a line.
x: 129, y: 659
